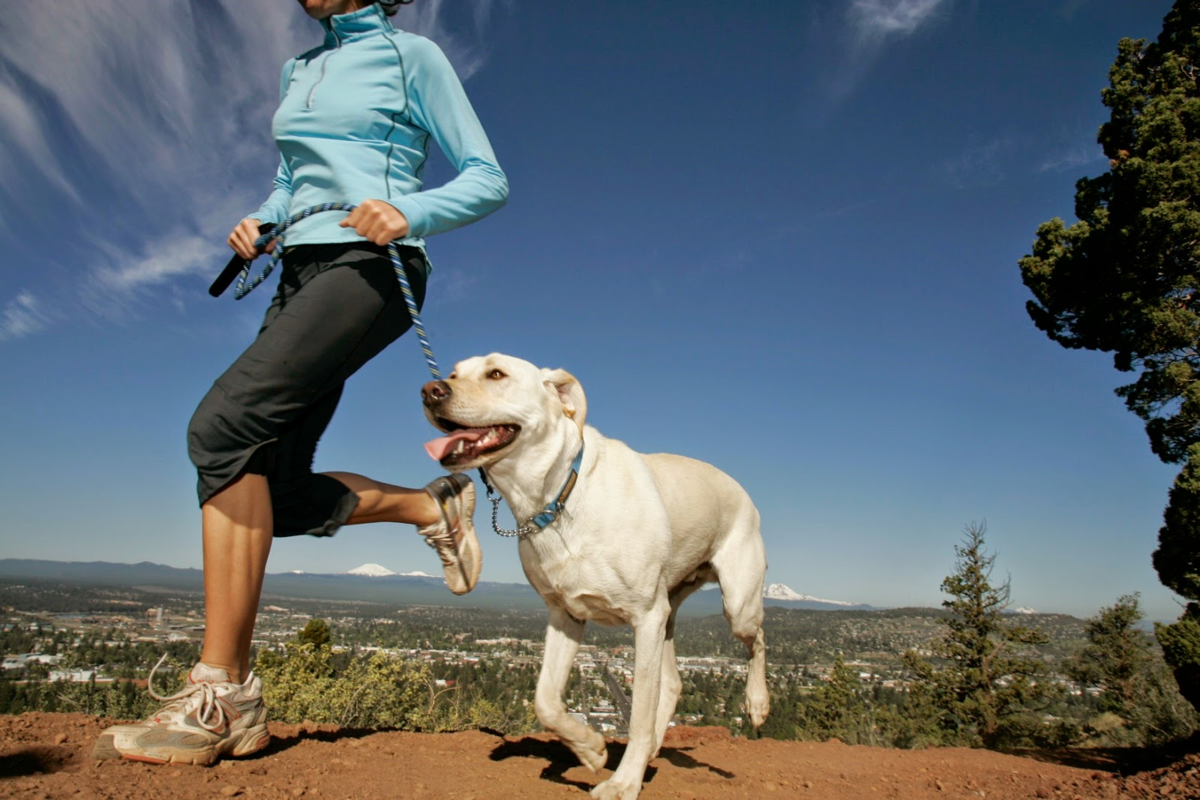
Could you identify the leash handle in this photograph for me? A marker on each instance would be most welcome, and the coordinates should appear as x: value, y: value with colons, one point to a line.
x: 244, y: 284
x: 235, y: 266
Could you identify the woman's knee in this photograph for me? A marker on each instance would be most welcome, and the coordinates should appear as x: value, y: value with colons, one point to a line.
x: 218, y: 428
x: 202, y: 430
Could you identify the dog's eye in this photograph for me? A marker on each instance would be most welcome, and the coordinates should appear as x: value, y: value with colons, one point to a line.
x: 496, y: 374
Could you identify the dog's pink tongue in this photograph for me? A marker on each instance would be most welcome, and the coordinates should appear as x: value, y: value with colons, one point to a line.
x: 440, y: 448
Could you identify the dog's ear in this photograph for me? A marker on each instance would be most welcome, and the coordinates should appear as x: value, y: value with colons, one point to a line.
x: 569, y: 392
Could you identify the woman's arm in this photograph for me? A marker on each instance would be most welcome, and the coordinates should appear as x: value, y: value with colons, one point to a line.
x: 438, y: 104
x: 275, y: 208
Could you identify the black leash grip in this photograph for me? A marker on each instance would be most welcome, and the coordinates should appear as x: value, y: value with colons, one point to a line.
x: 235, y: 266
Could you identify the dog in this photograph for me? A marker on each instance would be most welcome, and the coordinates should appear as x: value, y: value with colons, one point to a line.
x: 608, y: 535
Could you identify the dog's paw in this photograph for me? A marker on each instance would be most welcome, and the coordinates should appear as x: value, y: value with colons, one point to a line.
x: 758, y: 705
x: 612, y: 790
x: 593, y: 754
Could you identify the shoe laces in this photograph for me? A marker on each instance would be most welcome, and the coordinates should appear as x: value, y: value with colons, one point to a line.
x: 442, y: 539
x: 209, y: 713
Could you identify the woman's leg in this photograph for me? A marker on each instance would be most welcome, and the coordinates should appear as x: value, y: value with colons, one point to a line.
x: 383, y: 502
x: 237, y: 540
x: 252, y: 440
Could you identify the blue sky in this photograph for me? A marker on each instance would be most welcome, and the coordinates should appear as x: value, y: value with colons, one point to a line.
x: 780, y: 237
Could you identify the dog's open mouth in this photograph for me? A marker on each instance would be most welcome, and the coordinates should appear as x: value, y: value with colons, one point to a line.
x: 462, y: 444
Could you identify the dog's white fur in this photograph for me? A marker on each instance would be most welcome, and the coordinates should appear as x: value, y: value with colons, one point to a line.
x: 639, y: 533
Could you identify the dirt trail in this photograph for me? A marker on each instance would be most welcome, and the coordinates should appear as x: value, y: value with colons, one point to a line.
x: 49, y: 756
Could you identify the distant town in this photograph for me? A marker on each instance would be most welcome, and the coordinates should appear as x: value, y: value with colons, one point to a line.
x: 56, y: 630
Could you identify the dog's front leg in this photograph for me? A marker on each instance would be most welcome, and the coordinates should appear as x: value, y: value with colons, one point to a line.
x: 563, y: 635
x: 648, y: 634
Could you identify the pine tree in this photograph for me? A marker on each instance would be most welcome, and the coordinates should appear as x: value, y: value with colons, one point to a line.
x: 980, y: 677
x: 1125, y: 279
x: 1138, y: 691
x: 836, y: 710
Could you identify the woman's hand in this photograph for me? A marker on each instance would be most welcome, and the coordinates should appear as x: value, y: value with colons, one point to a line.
x: 244, y: 236
x: 377, y: 222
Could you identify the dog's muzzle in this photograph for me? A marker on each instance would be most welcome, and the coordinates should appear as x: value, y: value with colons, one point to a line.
x: 435, y: 392
x: 463, y: 443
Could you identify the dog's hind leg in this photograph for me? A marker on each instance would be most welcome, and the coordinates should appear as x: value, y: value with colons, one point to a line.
x: 741, y: 566
x: 671, y: 686
x: 563, y: 635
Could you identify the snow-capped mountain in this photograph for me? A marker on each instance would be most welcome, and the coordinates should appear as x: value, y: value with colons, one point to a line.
x: 1024, y: 610
x: 778, y: 591
x: 371, y: 571
x: 417, y: 574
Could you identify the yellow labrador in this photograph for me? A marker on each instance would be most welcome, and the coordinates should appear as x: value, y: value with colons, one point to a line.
x: 608, y: 535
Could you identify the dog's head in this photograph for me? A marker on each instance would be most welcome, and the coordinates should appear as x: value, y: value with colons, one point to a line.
x: 490, y: 404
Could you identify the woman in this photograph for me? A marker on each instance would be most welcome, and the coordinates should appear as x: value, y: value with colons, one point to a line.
x: 353, y: 125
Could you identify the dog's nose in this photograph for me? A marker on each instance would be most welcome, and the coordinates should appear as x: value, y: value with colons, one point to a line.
x: 435, y: 392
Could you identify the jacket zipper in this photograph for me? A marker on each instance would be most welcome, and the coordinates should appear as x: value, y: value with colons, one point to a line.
x: 313, y: 91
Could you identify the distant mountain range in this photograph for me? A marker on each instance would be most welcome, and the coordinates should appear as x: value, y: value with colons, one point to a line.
x: 376, y: 571
x: 368, y: 583
x: 777, y: 591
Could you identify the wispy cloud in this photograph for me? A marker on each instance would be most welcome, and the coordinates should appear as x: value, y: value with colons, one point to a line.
x: 465, y: 49
x: 22, y: 316
x: 876, y: 20
x: 21, y: 127
x: 455, y: 286
x: 129, y: 118
x: 979, y: 164
x: 1071, y: 158
x: 116, y: 286
x: 872, y: 26
x: 1069, y: 7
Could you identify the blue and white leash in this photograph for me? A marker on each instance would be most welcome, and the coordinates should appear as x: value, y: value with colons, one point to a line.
x: 244, y: 288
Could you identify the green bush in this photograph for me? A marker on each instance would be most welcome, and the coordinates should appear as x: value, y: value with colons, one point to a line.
x: 376, y: 692
x: 1181, y: 649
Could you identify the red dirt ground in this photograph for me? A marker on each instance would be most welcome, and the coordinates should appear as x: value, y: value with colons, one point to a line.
x: 49, y: 756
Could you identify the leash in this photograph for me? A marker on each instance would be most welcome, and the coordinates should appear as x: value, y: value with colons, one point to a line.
x: 245, y: 285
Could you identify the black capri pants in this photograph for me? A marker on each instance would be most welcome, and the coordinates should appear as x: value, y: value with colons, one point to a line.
x: 337, y: 306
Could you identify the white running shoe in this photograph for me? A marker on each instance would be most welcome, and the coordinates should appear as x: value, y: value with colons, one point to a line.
x: 454, y: 537
x: 209, y: 718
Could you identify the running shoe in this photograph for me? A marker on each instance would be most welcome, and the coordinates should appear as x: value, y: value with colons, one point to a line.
x: 209, y: 718
x: 454, y: 536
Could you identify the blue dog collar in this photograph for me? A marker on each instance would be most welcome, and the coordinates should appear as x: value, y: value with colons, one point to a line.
x: 555, y: 506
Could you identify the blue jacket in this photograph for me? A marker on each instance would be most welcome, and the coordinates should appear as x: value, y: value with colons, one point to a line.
x: 354, y: 121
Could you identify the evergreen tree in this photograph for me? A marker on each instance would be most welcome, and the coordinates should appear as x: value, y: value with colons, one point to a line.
x: 1116, y: 656
x: 316, y: 633
x: 1125, y: 279
x: 836, y: 709
x: 1137, y: 690
x: 981, y: 679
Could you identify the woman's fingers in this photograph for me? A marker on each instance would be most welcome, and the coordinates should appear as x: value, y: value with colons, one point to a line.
x: 243, y: 237
x: 377, y: 222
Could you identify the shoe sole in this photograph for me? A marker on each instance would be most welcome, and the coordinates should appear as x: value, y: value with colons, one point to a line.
x: 248, y: 742
x: 470, y: 542
x: 105, y: 749
x: 442, y: 493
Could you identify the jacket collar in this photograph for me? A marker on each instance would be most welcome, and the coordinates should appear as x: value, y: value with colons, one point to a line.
x: 363, y: 22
